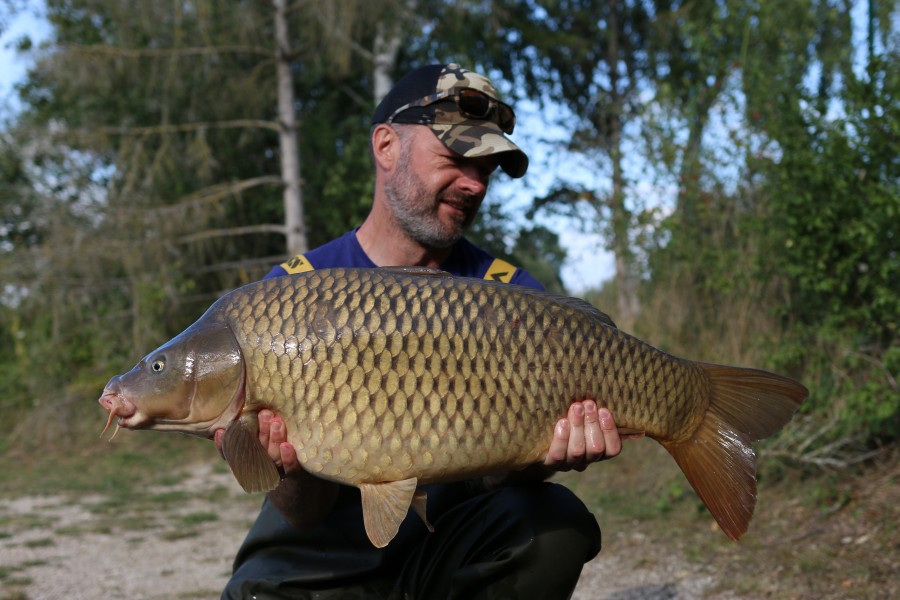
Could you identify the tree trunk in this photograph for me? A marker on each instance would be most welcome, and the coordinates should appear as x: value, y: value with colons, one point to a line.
x: 295, y: 228
x: 387, y: 43
x: 626, y: 293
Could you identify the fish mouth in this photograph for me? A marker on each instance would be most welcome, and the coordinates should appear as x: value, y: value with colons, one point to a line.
x: 117, y: 406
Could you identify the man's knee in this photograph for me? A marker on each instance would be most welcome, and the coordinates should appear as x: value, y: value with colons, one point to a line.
x: 559, y: 521
x: 534, y: 542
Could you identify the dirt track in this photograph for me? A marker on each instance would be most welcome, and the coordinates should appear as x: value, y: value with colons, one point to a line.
x: 51, y: 548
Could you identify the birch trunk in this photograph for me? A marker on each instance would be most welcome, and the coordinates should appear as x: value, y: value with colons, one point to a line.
x: 295, y: 228
x: 387, y: 43
x: 626, y: 292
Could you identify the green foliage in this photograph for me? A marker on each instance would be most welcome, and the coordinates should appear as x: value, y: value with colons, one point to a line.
x: 835, y: 195
x: 536, y: 249
x: 804, y: 250
x: 146, y: 158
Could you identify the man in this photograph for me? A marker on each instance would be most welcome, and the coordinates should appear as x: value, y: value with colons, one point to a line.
x: 436, y: 139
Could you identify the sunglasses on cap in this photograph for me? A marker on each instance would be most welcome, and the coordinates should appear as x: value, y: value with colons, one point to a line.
x: 472, y: 104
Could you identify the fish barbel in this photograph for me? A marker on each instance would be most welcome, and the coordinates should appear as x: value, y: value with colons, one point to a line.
x: 389, y: 379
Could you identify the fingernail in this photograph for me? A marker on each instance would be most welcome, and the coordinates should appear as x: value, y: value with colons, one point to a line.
x: 276, y: 426
x: 605, y: 418
x: 285, y: 448
x: 590, y: 406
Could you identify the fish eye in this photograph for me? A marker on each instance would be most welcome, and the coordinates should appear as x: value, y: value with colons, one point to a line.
x: 158, y: 365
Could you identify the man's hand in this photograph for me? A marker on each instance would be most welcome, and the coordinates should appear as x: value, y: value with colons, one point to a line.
x: 273, y: 437
x: 588, y: 434
x: 303, y: 499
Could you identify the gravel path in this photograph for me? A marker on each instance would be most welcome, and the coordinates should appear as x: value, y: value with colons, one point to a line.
x: 51, y: 548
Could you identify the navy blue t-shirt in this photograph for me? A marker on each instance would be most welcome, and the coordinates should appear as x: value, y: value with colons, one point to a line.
x: 465, y: 260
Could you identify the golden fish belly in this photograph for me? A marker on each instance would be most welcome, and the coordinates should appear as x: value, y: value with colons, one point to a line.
x: 384, y: 378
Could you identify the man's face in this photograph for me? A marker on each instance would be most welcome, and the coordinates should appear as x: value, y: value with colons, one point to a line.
x: 435, y: 193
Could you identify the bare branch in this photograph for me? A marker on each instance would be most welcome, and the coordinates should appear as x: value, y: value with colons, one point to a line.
x: 196, y: 200
x: 239, y: 264
x: 119, y: 51
x: 182, y: 127
x: 232, y: 231
x: 215, y: 193
x: 333, y: 31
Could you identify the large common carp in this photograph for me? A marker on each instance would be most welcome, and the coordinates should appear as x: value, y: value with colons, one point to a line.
x: 389, y: 379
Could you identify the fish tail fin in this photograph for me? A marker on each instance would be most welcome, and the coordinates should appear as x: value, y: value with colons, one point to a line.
x: 718, y: 459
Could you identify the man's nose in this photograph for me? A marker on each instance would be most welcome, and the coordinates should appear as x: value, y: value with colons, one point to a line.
x: 474, y: 181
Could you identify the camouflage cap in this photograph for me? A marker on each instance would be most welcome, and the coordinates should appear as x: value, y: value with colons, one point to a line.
x: 426, y: 96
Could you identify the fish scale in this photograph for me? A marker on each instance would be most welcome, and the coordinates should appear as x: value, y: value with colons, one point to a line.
x: 388, y: 379
x: 398, y: 337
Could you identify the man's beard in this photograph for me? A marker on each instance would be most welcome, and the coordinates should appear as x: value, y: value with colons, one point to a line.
x: 416, y: 209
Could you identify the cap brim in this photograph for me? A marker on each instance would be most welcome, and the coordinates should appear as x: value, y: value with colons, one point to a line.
x: 482, y: 138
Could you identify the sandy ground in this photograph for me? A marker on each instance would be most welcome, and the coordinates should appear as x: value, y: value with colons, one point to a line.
x: 51, y: 548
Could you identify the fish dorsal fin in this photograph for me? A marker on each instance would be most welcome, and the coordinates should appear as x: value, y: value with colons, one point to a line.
x: 416, y: 271
x: 585, y: 306
x: 384, y: 507
x: 249, y: 461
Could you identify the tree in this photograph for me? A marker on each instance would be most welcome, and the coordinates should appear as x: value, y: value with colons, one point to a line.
x: 149, y: 141
x: 591, y: 54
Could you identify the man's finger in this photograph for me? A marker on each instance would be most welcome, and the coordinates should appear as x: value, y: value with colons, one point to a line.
x: 611, y: 439
x: 276, y: 438
x: 593, y: 433
x: 556, y: 455
x: 289, y: 461
x: 576, y: 449
x: 265, y: 421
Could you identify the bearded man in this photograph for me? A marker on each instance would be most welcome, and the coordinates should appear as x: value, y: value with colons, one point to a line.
x: 436, y: 140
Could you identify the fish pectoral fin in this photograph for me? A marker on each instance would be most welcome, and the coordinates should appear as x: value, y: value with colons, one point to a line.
x: 249, y: 461
x: 627, y: 433
x: 384, y: 507
x: 420, y: 499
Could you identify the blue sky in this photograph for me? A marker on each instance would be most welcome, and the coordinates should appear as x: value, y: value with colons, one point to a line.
x: 13, y: 65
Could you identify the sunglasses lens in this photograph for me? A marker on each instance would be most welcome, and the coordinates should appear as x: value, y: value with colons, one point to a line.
x: 477, y: 105
x: 506, y: 118
x: 474, y: 104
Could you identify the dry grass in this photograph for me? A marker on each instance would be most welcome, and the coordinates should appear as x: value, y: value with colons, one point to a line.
x: 831, y: 535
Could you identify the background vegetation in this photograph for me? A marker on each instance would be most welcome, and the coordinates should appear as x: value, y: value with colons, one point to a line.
x: 744, y: 160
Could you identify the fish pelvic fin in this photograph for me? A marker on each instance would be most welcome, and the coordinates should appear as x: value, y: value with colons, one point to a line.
x: 385, y: 505
x: 248, y: 459
x: 718, y: 460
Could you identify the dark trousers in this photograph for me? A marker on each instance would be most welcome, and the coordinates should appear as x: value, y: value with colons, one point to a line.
x: 516, y: 542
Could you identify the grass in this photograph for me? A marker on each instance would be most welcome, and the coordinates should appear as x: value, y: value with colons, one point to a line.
x: 819, y: 535
x: 95, y: 466
x: 826, y: 535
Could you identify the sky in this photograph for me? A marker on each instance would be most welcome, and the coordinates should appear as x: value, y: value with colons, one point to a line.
x: 588, y: 264
x: 12, y: 65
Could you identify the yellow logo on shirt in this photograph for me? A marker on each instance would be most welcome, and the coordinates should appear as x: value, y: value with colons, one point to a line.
x: 500, y: 270
x: 298, y: 264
